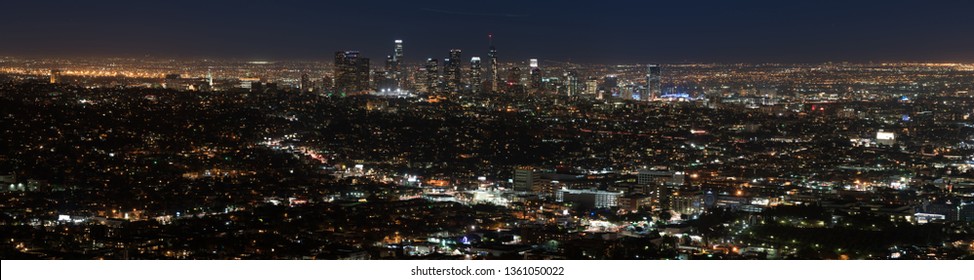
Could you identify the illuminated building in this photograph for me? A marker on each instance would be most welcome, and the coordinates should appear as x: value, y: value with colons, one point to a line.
x: 452, y: 71
x: 324, y: 85
x: 527, y: 180
x: 885, y: 138
x: 634, y: 201
x: 685, y: 204
x: 571, y: 83
x: 173, y: 81
x: 306, y: 85
x: 535, y: 74
x: 399, y: 72
x: 513, y: 82
x: 476, y: 81
x: 589, y: 198
x: 654, y: 87
x: 432, y: 75
x: 492, y: 73
x: 249, y: 83
x: 55, y: 76
x: 351, y: 72
x: 592, y: 86
x: 966, y: 211
x: 648, y: 177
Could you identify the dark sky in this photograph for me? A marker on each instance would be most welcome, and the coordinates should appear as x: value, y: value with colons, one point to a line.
x: 582, y: 31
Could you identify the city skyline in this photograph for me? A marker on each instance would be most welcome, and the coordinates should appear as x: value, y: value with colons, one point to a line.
x: 438, y: 130
x: 658, y: 32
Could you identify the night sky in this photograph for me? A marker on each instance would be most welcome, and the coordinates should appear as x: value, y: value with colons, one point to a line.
x: 582, y: 31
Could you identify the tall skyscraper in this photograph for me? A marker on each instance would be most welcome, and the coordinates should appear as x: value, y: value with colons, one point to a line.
x: 514, y: 77
x: 399, y: 72
x: 324, y: 85
x: 535, y: 73
x: 654, y: 88
x: 390, y: 66
x: 306, y: 83
x: 571, y: 83
x: 452, y: 71
x: 492, y: 55
x: 476, y: 83
x: 55, y: 76
x: 432, y: 75
x: 398, y: 50
x: 592, y: 86
x: 351, y: 72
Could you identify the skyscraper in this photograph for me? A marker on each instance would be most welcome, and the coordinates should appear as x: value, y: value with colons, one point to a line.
x: 514, y: 79
x: 390, y: 79
x: 592, y: 86
x: 571, y: 83
x: 432, y: 75
x: 452, y: 71
x: 55, y: 76
x: 475, y: 80
x: 535, y: 74
x: 174, y: 81
x: 209, y: 78
x: 492, y: 55
x: 305, y: 83
x: 390, y: 66
x: 399, y: 72
x: 653, y: 86
x: 351, y: 72
x: 324, y: 85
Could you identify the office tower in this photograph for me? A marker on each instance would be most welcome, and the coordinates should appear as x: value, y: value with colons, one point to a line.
x: 363, y: 74
x: 475, y: 80
x: 398, y: 69
x: 432, y: 75
x: 589, y: 198
x: 630, y: 91
x: 492, y: 73
x: 390, y: 77
x: 344, y: 70
x: 398, y: 51
x: 351, y: 72
x: 446, y: 77
x: 527, y: 180
x: 250, y: 83
x: 306, y: 83
x: 390, y: 66
x: 55, y: 76
x: 685, y: 204
x: 650, y: 177
x: 452, y: 71
x: 514, y: 77
x: 324, y: 85
x: 653, y: 86
x: 571, y: 83
x: 173, y: 81
x: 591, y: 86
x: 535, y: 73
x: 209, y: 78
